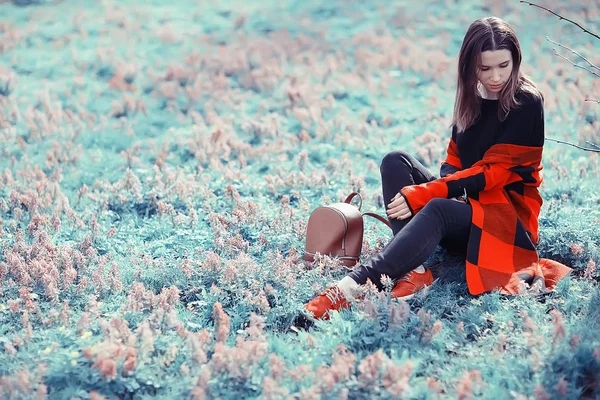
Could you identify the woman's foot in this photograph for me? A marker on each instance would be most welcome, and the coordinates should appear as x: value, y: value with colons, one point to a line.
x: 340, y: 296
x: 412, y: 283
x: 331, y: 299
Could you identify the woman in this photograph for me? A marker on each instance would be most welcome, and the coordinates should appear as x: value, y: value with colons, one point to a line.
x: 486, y: 204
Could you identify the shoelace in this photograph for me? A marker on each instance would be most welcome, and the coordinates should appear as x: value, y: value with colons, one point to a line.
x: 333, y: 294
x: 407, y: 276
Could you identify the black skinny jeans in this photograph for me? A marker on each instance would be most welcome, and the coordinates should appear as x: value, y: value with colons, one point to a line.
x: 445, y: 222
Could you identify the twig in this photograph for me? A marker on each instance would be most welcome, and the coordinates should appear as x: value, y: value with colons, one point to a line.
x: 593, y: 144
x: 561, y: 17
x: 579, y: 147
x: 574, y: 52
x: 575, y: 65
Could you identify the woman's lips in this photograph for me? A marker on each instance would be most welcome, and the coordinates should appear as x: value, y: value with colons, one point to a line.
x: 496, y: 86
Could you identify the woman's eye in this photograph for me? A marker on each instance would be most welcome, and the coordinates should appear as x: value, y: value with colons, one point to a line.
x: 502, y: 66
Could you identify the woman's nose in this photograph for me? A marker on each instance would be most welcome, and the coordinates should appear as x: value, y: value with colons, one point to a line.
x: 495, y: 76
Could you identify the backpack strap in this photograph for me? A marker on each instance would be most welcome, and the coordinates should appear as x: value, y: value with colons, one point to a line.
x: 351, y: 196
x: 379, y: 217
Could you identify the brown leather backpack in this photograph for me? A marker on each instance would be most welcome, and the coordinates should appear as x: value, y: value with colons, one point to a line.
x: 336, y: 230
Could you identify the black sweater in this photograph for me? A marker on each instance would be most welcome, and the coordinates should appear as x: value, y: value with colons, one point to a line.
x: 526, y: 120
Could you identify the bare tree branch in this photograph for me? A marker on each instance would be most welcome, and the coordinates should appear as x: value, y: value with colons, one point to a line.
x: 579, y: 147
x: 597, y: 147
x: 575, y: 65
x: 574, y: 52
x: 561, y: 17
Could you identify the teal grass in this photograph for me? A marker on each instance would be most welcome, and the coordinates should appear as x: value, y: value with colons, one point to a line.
x: 159, y: 162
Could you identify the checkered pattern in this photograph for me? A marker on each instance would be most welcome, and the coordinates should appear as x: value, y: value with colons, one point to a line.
x: 452, y: 162
x: 503, y: 191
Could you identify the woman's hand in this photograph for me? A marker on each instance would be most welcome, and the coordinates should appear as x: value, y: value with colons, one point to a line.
x: 398, y: 208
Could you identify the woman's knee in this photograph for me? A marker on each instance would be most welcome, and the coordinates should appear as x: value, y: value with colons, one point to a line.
x: 394, y: 159
x: 437, y: 205
x: 448, y: 210
x: 438, y: 202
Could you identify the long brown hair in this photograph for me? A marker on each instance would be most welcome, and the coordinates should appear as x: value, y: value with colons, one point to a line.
x: 487, y: 34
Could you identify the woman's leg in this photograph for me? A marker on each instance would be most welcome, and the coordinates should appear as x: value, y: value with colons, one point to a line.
x: 417, y: 240
x: 414, y: 238
x: 399, y: 169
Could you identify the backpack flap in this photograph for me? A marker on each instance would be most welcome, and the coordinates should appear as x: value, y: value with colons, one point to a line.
x: 335, y: 230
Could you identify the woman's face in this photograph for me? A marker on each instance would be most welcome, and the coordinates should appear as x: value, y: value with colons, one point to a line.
x: 495, y: 69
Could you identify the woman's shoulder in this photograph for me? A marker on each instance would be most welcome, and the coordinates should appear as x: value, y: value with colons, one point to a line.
x: 529, y: 98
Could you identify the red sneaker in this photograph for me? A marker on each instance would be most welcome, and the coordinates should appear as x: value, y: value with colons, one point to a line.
x: 331, y: 299
x: 411, y: 283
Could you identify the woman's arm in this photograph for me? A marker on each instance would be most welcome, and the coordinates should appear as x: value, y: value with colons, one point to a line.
x: 452, y: 162
x: 524, y: 134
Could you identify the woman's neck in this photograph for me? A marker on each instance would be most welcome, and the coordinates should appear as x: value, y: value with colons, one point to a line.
x: 485, y: 94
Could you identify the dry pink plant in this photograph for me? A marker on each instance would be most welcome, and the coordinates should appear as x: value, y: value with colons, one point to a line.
x: 238, y: 361
x: 301, y: 372
x: 501, y: 344
x: 530, y: 331
x: 576, y: 250
x: 198, y: 343
x: 84, y: 322
x: 64, y: 313
x: 429, y: 148
x: 558, y: 327
x: 169, y: 357
x: 184, y: 369
x: 371, y: 367
x: 323, y: 262
x: 466, y: 384
x: 247, y: 212
x: 277, y: 366
x: 92, y: 306
x: 369, y: 290
x: 387, y: 283
x: 202, y: 384
x: 271, y: 389
x: 398, y: 312
x: 10, y: 350
x: 187, y: 268
x: 140, y: 299
x: 23, y: 383
x: 259, y: 300
x: 232, y: 245
x: 117, y: 331
x: 396, y: 378
x: 343, y: 367
x: 590, y: 269
x: 212, y: 262
x: 435, y: 386
x: 315, y: 393
x: 221, y: 322
x: 108, y: 355
x: 562, y: 386
x: 161, y: 319
x: 574, y: 341
x: 114, y: 278
x: 27, y: 326
x: 146, y: 339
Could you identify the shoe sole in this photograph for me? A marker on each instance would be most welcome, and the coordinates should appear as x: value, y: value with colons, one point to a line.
x: 410, y: 296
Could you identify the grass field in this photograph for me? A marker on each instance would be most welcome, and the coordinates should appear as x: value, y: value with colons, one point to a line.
x: 159, y: 162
